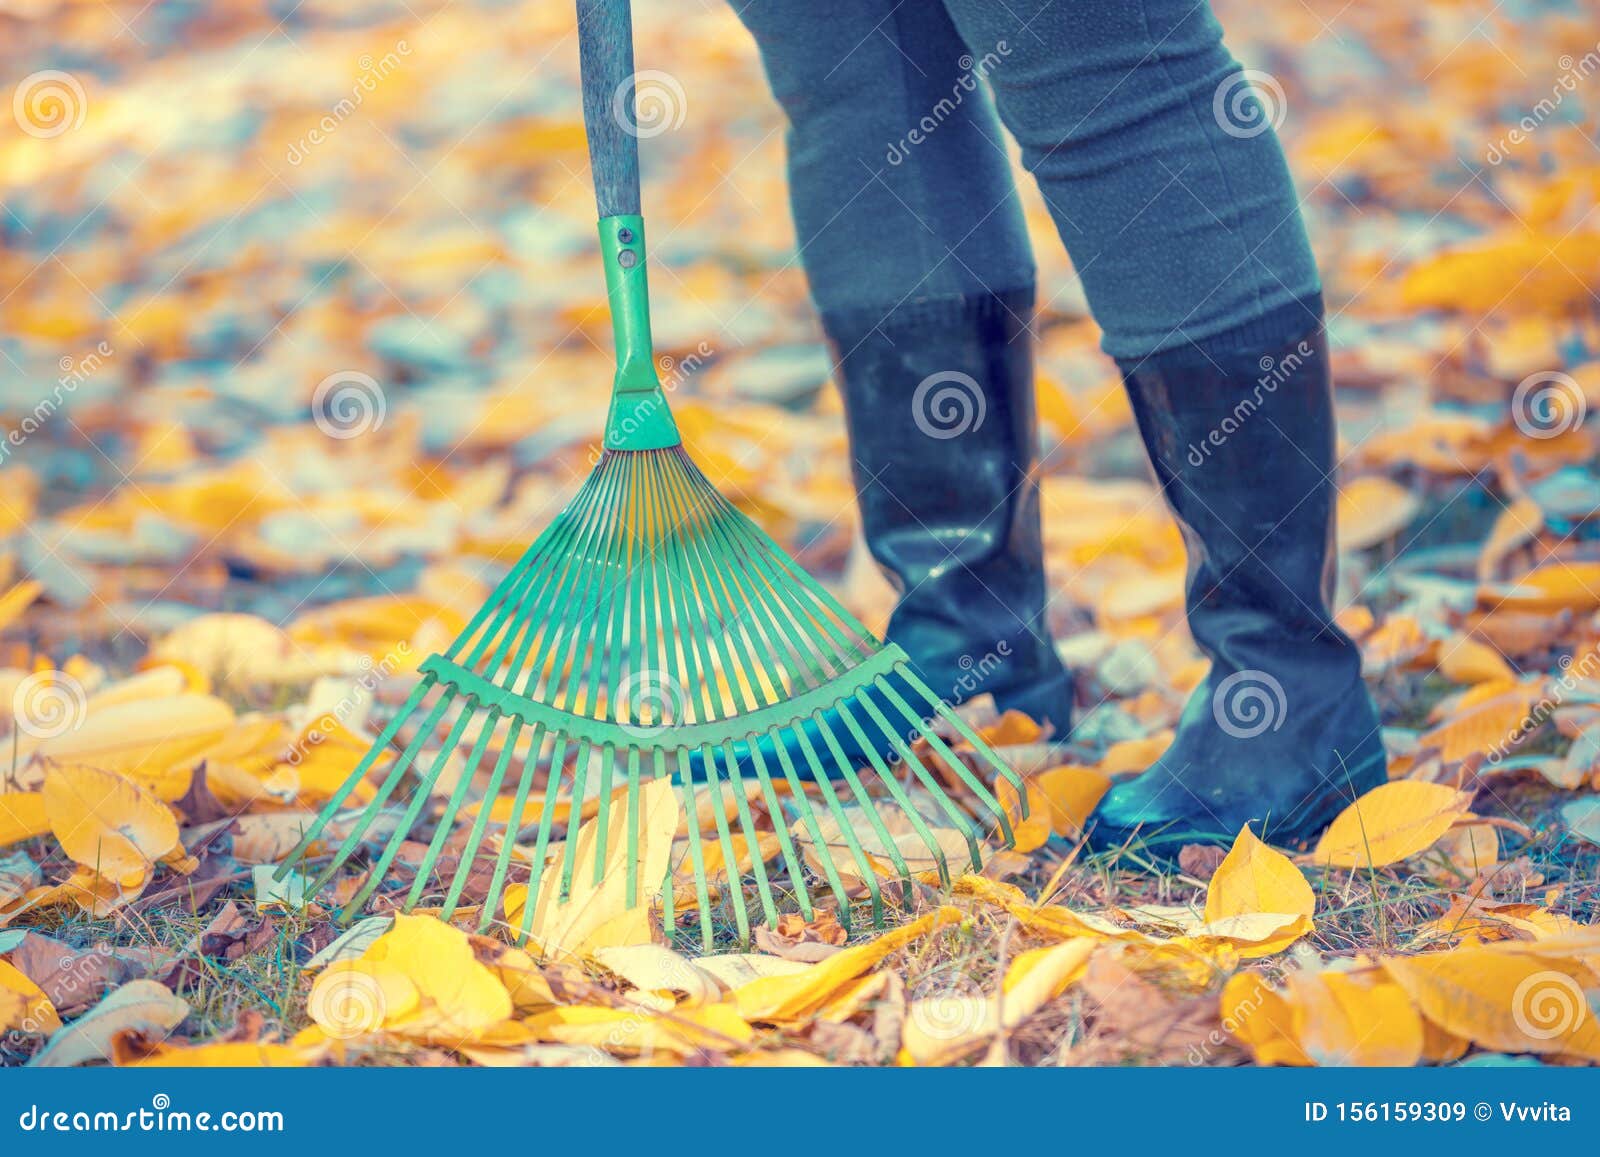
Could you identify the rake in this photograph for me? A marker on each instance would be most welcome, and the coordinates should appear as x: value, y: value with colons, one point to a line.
x: 654, y: 631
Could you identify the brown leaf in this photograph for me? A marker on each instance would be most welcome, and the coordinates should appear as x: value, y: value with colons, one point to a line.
x: 795, y: 938
x: 1201, y: 860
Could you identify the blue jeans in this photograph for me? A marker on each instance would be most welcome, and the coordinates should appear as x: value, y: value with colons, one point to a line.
x: 1159, y: 164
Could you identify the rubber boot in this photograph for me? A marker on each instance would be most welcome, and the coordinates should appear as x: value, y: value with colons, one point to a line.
x: 944, y: 438
x: 1282, y: 734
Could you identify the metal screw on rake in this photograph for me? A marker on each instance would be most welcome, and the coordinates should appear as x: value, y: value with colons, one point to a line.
x: 655, y: 631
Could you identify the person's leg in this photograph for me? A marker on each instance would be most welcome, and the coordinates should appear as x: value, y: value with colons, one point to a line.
x: 1170, y: 191
x: 914, y: 248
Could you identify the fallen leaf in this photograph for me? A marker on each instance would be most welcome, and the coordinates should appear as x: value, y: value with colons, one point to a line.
x: 1390, y: 823
x: 598, y: 914
x: 143, y: 1006
x: 1256, y: 880
x: 107, y: 823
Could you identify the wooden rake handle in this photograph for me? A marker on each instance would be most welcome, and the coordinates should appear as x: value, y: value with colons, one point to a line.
x: 605, y: 56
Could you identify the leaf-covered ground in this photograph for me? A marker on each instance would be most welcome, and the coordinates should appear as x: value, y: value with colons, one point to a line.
x: 304, y: 340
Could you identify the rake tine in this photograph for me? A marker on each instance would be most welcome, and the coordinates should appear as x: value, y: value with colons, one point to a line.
x: 480, y: 824
x: 828, y: 612
x: 791, y: 858
x: 519, y: 802
x: 702, y: 889
x: 847, y: 833
x: 808, y: 816
x: 958, y: 818
x: 972, y: 783
x: 868, y: 808
x: 370, y: 812
x: 708, y: 581
x: 541, y: 560
x: 603, y: 815
x: 569, y: 854
x: 419, y: 800
x: 715, y: 523
x: 981, y: 746
x: 792, y: 612
x: 547, y: 819
x: 752, y: 838
x: 658, y: 760
x: 565, y: 593
x: 632, y: 894
x: 730, y: 856
x: 886, y: 777
x: 447, y: 821
x: 364, y: 765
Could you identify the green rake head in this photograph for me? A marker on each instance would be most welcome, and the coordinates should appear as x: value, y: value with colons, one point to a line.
x: 653, y: 631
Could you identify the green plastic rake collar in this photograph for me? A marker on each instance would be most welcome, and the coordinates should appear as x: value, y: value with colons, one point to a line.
x: 639, y: 417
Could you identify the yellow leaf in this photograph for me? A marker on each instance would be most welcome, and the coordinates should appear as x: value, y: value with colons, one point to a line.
x: 597, y: 914
x: 1546, y: 268
x: 233, y: 650
x: 24, y: 1007
x: 1495, y: 724
x: 1355, y: 1019
x: 1390, y: 823
x: 1573, y: 586
x: 711, y: 1027
x: 108, y: 824
x: 942, y: 1029
x: 1261, y: 1018
x: 1255, y: 880
x: 1072, y: 794
x: 226, y: 1055
x: 140, y: 737
x: 1469, y: 661
x: 1040, y: 974
x: 883, y: 858
x: 782, y: 999
x: 1060, y: 801
x: 1134, y: 754
x: 530, y: 991
x: 22, y: 816
x: 652, y: 968
x: 1503, y: 1000
x: 18, y: 599
x: 1373, y: 509
x: 458, y: 997
x: 1029, y: 832
x: 355, y: 997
